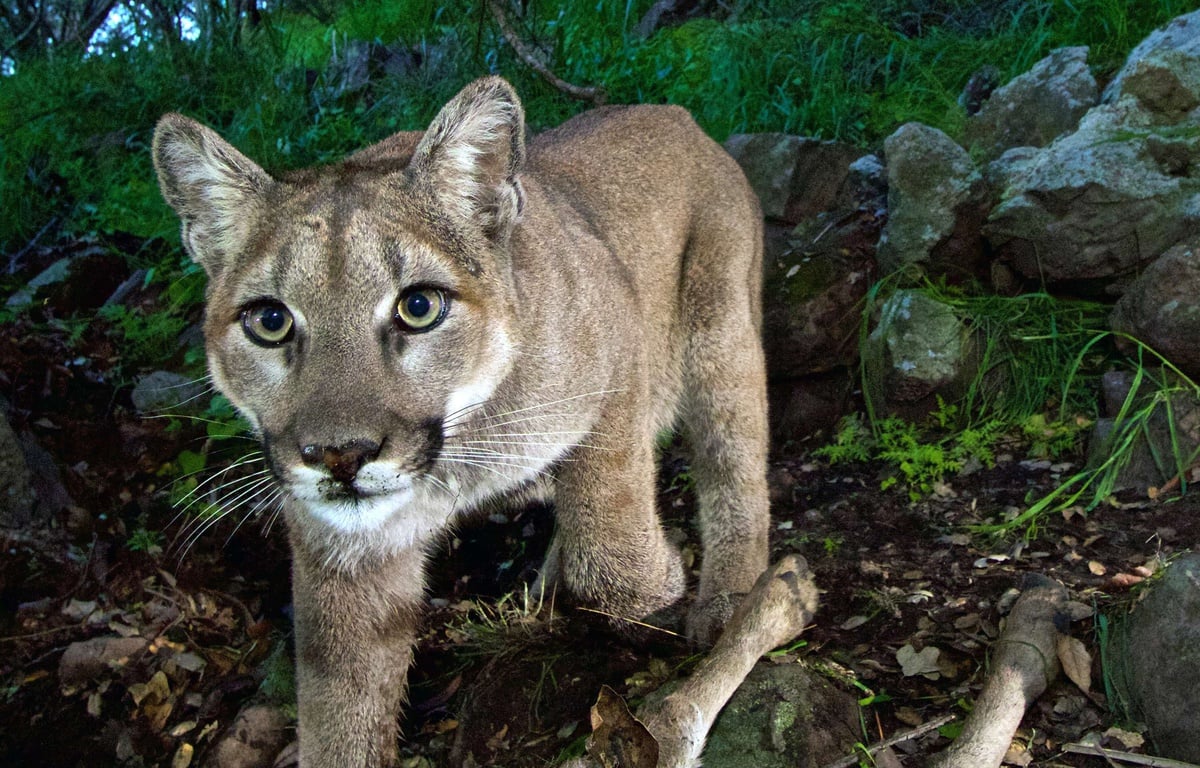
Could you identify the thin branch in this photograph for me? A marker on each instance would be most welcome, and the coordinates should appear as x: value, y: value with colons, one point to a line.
x: 1126, y: 757
x: 593, y: 94
x: 899, y: 738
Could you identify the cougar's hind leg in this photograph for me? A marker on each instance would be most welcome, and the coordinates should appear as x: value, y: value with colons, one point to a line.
x: 725, y: 418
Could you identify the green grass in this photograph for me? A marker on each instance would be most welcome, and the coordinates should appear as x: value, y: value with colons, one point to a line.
x: 74, y: 134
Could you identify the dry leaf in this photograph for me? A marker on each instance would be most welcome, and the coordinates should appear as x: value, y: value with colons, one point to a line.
x: 854, y: 622
x: 1076, y: 661
x: 181, y: 728
x: 1017, y: 755
x: 183, y: 756
x: 924, y: 662
x: 619, y: 740
x: 497, y: 742
x: 1097, y: 568
x: 1125, y: 580
x: 1128, y: 739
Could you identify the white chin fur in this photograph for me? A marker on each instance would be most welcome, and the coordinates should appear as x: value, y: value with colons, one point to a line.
x: 384, y: 490
x: 365, y: 514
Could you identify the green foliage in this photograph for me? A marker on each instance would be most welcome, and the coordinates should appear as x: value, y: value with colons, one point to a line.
x: 1158, y: 387
x: 143, y: 540
x: 920, y: 457
x: 279, y: 677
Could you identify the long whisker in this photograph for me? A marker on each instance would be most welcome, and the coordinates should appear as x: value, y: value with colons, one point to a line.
x: 539, y: 406
x: 227, y: 506
x: 489, y: 463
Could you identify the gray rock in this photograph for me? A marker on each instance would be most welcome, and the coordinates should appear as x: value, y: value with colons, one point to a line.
x: 794, y: 177
x: 812, y: 296
x: 1036, y: 107
x: 254, y: 739
x: 17, y: 498
x: 1158, y: 448
x: 166, y: 391
x: 1182, y: 34
x: 1166, y: 83
x: 1101, y: 201
x: 1001, y: 172
x: 783, y: 716
x: 1159, y: 307
x: 1156, y: 660
x: 920, y: 348
x: 935, y: 199
x: 55, y: 273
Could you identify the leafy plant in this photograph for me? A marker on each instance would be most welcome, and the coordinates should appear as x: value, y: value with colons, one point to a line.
x: 144, y: 540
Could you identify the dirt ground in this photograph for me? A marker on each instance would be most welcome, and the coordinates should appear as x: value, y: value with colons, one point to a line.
x: 209, y: 618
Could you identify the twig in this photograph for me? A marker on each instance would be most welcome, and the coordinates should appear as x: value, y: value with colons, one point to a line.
x: 590, y: 93
x: 899, y: 738
x: 1126, y: 757
x: 14, y: 261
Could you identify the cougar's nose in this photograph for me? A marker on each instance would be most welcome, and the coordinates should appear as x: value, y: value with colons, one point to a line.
x: 343, y: 461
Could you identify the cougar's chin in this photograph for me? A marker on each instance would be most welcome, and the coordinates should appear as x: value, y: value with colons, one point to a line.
x: 362, y: 506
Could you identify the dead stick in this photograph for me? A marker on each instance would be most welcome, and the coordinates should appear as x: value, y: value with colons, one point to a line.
x: 912, y: 733
x: 589, y: 93
x: 1126, y: 757
x: 1024, y: 664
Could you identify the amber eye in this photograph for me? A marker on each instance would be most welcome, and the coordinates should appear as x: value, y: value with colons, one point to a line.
x: 269, y: 324
x: 420, y: 309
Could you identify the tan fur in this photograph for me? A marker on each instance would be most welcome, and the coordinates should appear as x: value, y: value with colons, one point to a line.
x: 603, y: 287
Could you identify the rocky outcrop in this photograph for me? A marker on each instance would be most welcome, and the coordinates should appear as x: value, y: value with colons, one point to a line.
x: 1036, y: 107
x: 1100, y: 202
x: 1160, y: 307
x: 936, y: 202
x: 919, y: 348
x: 1181, y: 36
x: 1156, y: 660
x: 794, y: 177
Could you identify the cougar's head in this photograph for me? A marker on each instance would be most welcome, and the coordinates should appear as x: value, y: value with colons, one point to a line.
x: 357, y: 312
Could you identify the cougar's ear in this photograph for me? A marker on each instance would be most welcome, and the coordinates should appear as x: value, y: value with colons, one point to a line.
x: 472, y: 153
x: 216, y: 190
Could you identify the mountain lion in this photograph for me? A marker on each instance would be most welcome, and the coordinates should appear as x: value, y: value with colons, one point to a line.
x: 451, y: 317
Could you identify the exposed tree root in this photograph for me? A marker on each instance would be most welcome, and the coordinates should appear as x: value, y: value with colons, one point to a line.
x: 671, y: 734
x: 1024, y: 662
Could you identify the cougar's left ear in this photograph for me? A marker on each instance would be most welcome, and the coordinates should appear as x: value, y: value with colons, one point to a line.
x: 472, y: 153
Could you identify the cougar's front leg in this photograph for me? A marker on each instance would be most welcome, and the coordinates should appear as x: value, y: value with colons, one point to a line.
x: 354, y: 640
x: 609, y: 551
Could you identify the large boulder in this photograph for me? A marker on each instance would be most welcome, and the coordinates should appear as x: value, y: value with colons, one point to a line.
x: 1160, y: 308
x: 1156, y: 660
x: 1102, y: 201
x: 919, y: 349
x: 1037, y: 107
x: 794, y: 177
x: 813, y: 292
x: 936, y: 202
x: 1155, y: 449
x: 1181, y: 36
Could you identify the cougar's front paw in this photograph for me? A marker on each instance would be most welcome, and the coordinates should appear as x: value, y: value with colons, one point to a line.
x: 708, y: 617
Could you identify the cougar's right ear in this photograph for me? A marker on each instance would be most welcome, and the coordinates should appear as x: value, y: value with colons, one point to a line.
x: 216, y: 190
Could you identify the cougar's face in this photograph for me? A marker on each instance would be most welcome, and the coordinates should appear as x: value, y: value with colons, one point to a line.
x: 355, y: 342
